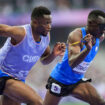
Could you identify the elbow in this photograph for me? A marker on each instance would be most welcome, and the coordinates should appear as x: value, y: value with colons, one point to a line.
x: 43, y: 62
x: 72, y: 64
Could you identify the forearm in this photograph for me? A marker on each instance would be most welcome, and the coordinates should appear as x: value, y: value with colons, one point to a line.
x: 77, y: 59
x: 48, y: 59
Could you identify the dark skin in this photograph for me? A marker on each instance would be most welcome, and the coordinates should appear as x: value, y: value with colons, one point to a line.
x: 16, y: 92
x: 93, y: 31
x: 84, y: 91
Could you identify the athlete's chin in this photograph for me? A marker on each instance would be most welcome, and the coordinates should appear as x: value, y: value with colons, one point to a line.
x: 44, y: 34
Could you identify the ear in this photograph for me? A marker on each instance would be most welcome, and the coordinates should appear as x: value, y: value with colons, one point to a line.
x: 35, y: 21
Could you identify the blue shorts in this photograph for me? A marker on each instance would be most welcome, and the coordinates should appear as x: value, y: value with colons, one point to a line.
x: 3, y: 74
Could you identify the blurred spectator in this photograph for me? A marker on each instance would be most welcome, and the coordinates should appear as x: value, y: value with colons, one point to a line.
x: 88, y: 3
x: 22, y: 6
x: 63, y: 5
x: 77, y: 4
x: 6, y: 8
x: 48, y: 3
x: 100, y: 4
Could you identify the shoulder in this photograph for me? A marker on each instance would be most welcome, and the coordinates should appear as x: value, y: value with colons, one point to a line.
x: 75, y: 32
x: 75, y: 35
x: 18, y: 33
x: 16, y: 30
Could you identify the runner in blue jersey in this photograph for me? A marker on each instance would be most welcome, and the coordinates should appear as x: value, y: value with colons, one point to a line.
x: 25, y: 45
x: 67, y: 78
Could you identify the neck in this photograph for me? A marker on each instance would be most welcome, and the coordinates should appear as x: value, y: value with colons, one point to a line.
x: 93, y: 40
x: 87, y: 32
x: 35, y: 35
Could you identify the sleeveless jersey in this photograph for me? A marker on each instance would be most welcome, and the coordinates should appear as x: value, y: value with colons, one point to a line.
x: 17, y: 60
x: 65, y: 74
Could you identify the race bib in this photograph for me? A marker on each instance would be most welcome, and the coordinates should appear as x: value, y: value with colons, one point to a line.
x: 55, y: 88
x: 82, y: 67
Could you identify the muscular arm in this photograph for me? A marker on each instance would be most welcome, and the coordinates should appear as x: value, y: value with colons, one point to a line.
x: 15, y: 32
x: 47, y: 57
x: 75, y: 56
x: 58, y: 50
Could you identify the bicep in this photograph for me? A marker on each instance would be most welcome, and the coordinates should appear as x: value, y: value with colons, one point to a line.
x: 11, y: 31
x: 73, y: 50
x: 74, y: 44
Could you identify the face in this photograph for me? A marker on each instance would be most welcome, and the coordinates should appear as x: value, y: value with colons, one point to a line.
x: 42, y: 25
x: 96, y: 27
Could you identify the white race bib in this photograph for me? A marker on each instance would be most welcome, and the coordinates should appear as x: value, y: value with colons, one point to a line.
x: 56, y: 88
x: 82, y: 67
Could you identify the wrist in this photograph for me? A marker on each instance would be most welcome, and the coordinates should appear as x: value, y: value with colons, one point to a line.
x: 53, y: 54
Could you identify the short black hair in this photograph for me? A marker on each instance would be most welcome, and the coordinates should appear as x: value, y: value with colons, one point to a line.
x: 96, y: 13
x: 39, y: 12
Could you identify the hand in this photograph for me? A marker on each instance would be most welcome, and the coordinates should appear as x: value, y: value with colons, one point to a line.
x: 59, y: 49
x: 88, y: 41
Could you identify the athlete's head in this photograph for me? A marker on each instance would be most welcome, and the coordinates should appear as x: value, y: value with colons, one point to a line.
x: 41, y: 20
x: 96, y: 23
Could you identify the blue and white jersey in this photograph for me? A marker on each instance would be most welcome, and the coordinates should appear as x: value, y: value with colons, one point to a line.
x: 65, y: 74
x: 17, y: 60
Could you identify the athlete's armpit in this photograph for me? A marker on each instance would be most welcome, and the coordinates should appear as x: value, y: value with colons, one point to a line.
x: 46, y: 53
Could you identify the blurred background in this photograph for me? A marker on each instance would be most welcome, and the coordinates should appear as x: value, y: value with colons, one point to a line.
x: 66, y: 16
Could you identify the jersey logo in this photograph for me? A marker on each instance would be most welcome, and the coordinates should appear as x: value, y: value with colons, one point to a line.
x: 96, y: 48
x: 56, y: 88
x: 29, y: 59
x: 82, y: 67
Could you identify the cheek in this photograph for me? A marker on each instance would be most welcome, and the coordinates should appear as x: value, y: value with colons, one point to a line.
x: 34, y: 26
x: 40, y: 28
x: 90, y: 28
x: 94, y: 29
